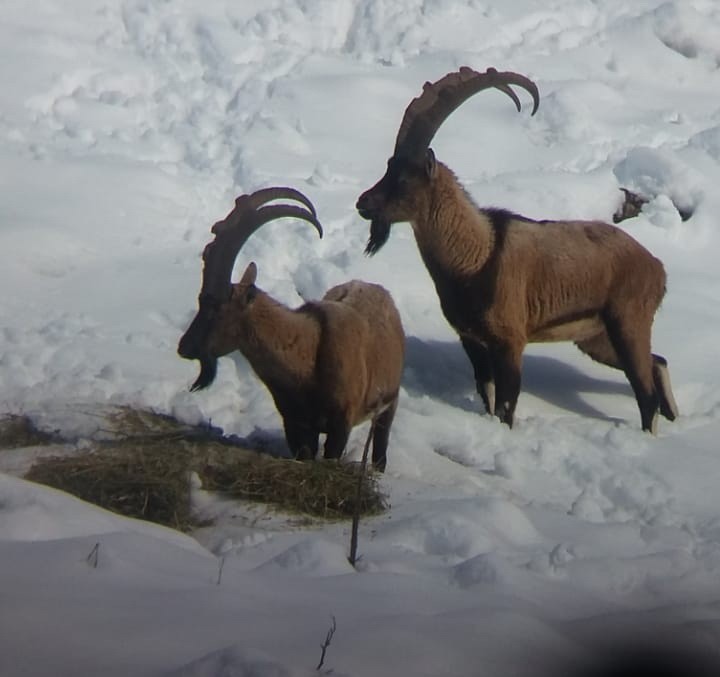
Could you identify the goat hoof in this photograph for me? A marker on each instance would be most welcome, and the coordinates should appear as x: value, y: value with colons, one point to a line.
x: 668, y: 413
x: 505, y: 414
x: 651, y: 426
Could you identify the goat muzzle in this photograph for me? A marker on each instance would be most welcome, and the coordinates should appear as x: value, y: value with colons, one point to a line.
x: 208, y: 364
x: 364, y: 208
x: 189, y: 350
x: 193, y: 344
x: 369, y: 206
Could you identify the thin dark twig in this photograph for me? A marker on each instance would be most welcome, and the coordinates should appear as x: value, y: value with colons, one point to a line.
x: 221, y: 566
x: 92, y: 558
x: 358, y: 494
x: 326, y: 643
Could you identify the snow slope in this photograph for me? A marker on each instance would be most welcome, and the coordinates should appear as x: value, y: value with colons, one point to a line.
x: 128, y: 127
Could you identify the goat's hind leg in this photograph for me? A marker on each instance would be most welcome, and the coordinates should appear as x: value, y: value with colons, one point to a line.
x: 482, y: 366
x: 381, y: 436
x: 630, y: 338
x: 600, y: 349
x: 661, y: 377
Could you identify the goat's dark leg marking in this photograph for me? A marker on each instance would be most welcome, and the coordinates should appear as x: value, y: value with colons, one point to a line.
x: 303, y: 441
x: 337, y: 437
x: 661, y: 377
x: 382, y: 435
x: 507, y: 363
x: 482, y: 366
x: 633, y: 349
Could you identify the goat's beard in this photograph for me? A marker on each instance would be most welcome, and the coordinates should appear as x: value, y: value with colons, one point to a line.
x: 208, y: 371
x: 379, y: 234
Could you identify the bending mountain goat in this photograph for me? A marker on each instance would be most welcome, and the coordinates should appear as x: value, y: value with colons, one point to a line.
x: 505, y: 280
x: 329, y: 364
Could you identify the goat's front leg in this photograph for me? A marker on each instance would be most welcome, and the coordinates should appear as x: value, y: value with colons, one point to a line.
x: 302, y: 440
x: 506, y: 357
x: 337, y: 436
x: 482, y: 366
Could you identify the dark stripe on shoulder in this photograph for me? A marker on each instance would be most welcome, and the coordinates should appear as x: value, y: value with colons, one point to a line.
x: 499, y: 218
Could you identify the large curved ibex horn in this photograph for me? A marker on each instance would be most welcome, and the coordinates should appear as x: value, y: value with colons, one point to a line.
x: 438, y: 100
x: 234, y: 230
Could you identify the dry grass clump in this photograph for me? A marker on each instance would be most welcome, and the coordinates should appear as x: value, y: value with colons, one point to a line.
x: 124, y: 423
x: 143, y: 464
x: 326, y: 489
x: 20, y: 431
x: 145, y: 481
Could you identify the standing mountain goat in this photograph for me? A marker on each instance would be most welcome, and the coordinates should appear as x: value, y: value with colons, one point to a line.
x: 329, y: 365
x: 505, y: 280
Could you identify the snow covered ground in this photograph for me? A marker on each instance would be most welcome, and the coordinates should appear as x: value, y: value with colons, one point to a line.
x: 129, y: 126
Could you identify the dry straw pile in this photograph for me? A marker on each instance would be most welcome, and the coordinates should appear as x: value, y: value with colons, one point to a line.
x: 149, y: 480
x: 143, y: 467
x: 325, y: 489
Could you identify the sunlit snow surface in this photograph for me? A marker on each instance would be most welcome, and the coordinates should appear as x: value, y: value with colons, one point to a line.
x: 128, y: 128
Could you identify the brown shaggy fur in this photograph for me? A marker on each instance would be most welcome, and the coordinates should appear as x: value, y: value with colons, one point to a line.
x: 329, y: 365
x: 504, y: 281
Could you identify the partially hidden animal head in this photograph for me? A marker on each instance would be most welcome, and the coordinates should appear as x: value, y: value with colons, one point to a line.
x: 222, y: 304
x: 399, y: 196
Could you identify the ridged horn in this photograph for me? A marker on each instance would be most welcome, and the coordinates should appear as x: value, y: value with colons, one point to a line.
x: 234, y: 230
x: 427, y: 112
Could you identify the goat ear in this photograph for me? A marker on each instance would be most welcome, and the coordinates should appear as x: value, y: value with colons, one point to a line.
x: 430, y: 164
x: 250, y: 275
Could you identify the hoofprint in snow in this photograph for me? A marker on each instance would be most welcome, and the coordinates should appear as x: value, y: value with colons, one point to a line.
x: 128, y: 128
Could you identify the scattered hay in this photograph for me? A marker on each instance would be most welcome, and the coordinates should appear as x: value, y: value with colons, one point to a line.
x: 149, y: 482
x: 124, y: 423
x: 142, y: 468
x: 20, y: 431
x: 324, y: 489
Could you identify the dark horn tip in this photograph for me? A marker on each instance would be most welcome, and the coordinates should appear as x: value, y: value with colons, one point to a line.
x: 311, y: 218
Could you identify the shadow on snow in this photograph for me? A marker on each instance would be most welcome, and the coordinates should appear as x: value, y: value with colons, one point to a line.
x: 441, y: 370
